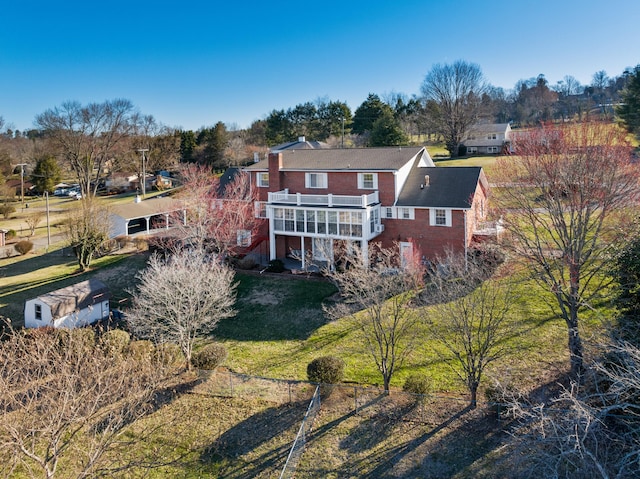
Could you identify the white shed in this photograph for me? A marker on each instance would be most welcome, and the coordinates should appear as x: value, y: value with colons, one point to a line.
x: 76, y: 305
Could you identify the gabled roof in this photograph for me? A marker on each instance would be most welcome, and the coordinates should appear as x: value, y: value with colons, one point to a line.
x: 356, y: 159
x: 448, y: 187
x: 484, y: 128
x: 75, y: 297
x: 300, y: 144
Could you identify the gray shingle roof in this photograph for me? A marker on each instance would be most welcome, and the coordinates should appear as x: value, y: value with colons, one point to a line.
x: 373, y: 159
x: 75, y: 297
x: 484, y: 128
x: 149, y: 207
x: 300, y: 145
x: 449, y: 187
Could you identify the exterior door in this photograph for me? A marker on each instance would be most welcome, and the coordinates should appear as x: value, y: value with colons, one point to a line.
x: 406, y: 253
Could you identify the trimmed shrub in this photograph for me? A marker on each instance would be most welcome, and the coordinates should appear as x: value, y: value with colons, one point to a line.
x: 326, y: 370
x: 168, y: 354
x: 141, y: 350
x: 275, y: 266
x: 246, y: 263
x: 11, y: 234
x: 209, y: 357
x: 83, y: 338
x: 140, y: 243
x: 416, y: 384
x: 23, y: 247
x: 115, y: 342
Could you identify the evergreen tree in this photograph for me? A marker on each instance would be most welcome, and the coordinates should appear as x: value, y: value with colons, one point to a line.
x: 367, y: 113
x: 278, y: 128
x: 215, y: 143
x: 46, y: 174
x: 187, y: 146
x: 629, y: 110
x: 334, y: 119
x: 386, y: 131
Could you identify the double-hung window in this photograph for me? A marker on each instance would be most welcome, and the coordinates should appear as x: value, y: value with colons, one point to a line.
x: 406, y: 213
x: 440, y: 217
x: 315, y: 180
x: 368, y: 181
x: 263, y: 180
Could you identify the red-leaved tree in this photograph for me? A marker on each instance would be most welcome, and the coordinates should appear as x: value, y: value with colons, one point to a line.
x: 217, y: 213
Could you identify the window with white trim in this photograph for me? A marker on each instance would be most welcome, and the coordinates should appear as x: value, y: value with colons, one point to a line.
x: 472, y: 149
x: 406, y: 213
x: 439, y: 217
x: 492, y: 149
x: 243, y: 238
x: 368, y: 181
x: 315, y: 180
x: 263, y: 179
x: 261, y: 209
x: 388, y: 212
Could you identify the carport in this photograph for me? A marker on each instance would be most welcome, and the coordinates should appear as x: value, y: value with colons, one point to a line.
x: 145, y: 216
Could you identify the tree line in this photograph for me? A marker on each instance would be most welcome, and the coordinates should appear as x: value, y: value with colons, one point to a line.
x: 452, y: 97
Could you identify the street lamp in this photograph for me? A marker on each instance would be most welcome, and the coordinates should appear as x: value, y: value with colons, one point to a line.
x: 144, y: 171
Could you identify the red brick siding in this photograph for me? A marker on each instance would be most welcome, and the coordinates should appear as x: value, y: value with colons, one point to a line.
x: 429, y: 241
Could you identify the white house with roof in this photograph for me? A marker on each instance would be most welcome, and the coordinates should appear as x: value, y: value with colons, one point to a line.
x: 77, y: 305
x: 488, y: 138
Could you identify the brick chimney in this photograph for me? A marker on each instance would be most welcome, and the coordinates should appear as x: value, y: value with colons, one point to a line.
x: 275, y: 165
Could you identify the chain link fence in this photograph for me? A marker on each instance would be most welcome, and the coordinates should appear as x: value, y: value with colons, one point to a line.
x: 300, y: 441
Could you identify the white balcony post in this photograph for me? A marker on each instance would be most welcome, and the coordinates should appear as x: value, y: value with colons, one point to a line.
x: 330, y: 199
x: 298, y: 199
x: 272, y: 238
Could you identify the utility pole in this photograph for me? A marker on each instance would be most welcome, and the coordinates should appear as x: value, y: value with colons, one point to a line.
x: 22, y: 165
x: 144, y: 172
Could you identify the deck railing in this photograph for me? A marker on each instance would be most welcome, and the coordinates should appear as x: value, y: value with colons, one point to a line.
x: 330, y: 200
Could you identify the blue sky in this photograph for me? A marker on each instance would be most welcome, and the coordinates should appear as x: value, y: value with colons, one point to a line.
x: 195, y: 63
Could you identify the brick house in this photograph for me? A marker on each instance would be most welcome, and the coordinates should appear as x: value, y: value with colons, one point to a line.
x: 314, y: 200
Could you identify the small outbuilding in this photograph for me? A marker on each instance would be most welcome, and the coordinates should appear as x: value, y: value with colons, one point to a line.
x: 77, y: 305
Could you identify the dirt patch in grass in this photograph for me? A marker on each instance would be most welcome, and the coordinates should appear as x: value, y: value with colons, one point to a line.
x: 266, y: 298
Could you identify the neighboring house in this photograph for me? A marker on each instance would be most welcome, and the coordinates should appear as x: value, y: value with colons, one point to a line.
x: 300, y: 144
x: 121, y: 182
x: 315, y: 201
x: 76, y: 305
x: 488, y: 138
x: 144, y: 216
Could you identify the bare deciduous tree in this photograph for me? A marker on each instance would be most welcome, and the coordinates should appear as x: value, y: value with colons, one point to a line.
x: 87, y: 229
x: 566, y: 197
x: 33, y: 220
x: 182, y: 298
x: 470, y: 317
x: 86, y: 136
x: 590, y: 430
x: 377, y: 295
x: 455, y: 94
x: 64, y: 402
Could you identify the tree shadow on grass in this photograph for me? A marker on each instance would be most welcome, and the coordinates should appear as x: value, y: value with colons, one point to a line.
x: 271, y: 309
x: 377, y: 446
x: 257, y: 446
